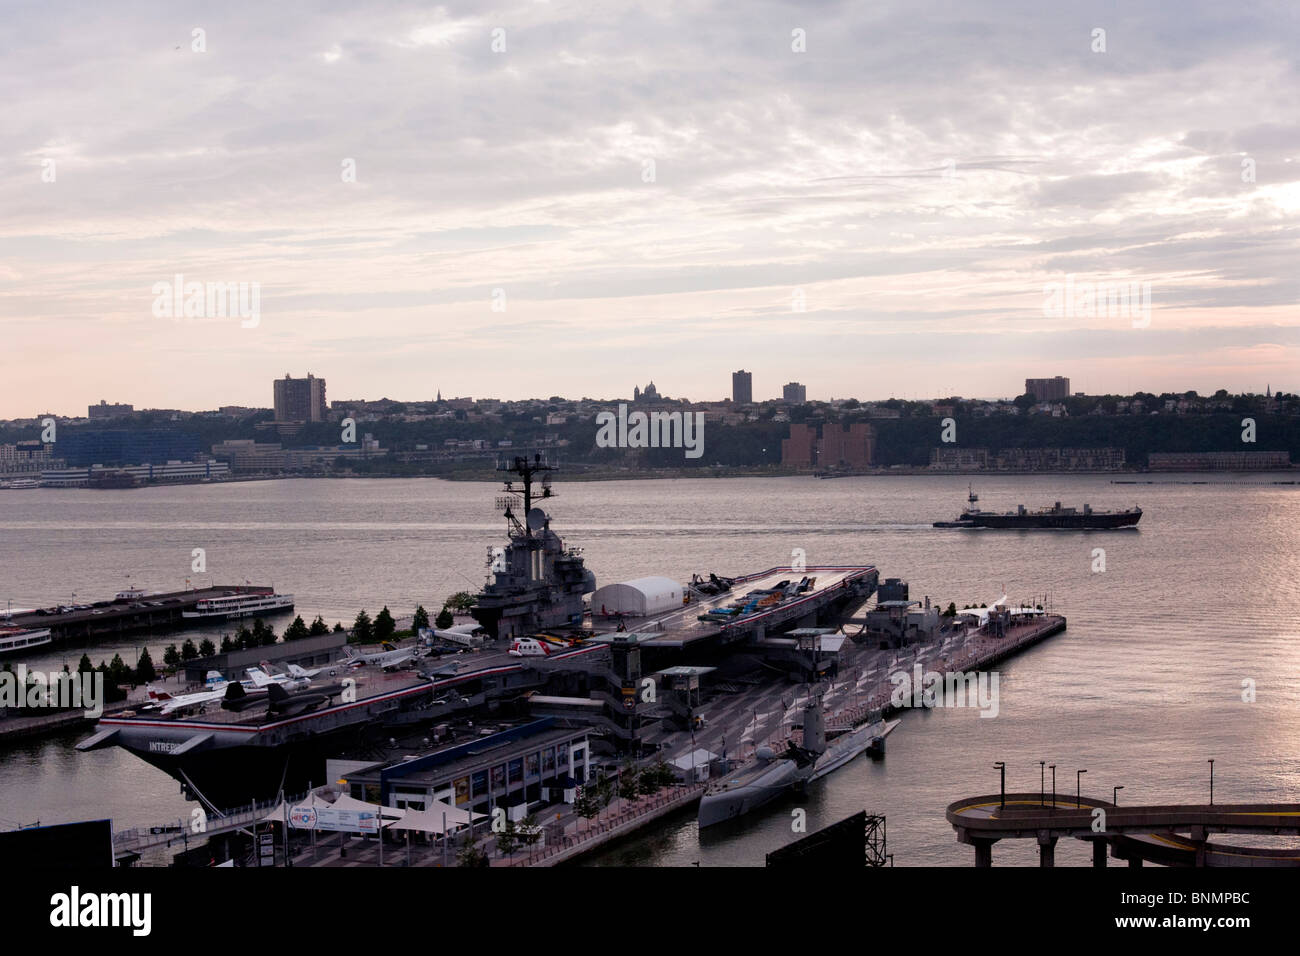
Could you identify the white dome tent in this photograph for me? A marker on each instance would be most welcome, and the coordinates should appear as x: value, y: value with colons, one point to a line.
x: 639, y: 598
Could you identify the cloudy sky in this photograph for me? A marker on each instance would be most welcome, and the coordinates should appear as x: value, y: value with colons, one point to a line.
x: 573, y: 198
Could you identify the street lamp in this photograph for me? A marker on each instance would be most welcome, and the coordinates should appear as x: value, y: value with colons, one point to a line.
x: 1211, y: 781
x: 1078, y: 789
x: 1002, y: 768
x: 1042, y: 781
x: 1052, y: 767
x: 1114, y: 797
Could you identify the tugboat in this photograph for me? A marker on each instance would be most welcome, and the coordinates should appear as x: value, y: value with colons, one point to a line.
x: 536, y: 582
x: 1056, y: 517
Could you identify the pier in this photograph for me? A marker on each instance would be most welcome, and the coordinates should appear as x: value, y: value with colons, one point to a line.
x: 1136, y: 834
x: 124, y: 615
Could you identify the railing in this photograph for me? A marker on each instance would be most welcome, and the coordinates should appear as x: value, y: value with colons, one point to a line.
x: 643, y: 807
x: 140, y: 838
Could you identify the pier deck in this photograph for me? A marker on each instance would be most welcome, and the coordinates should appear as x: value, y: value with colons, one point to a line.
x: 681, y: 627
x: 120, y: 617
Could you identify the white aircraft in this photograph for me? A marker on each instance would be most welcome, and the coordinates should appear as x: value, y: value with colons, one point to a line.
x: 981, y: 614
x: 385, y: 659
x: 301, y: 673
x: 470, y: 635
x: 529, y: 647
x: 262, y: 677
x: 169, y: 703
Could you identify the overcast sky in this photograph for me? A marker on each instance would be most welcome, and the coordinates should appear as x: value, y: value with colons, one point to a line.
x: 876, y: 215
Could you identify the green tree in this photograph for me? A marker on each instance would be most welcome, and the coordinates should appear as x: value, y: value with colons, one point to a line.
x: 188, y: 651
x: 171, y: 656
x: 84, y: 667
x: 444, y: 620
x: 508, y: 837
x: 144, y: 669
x: 244, y: 638
x: 421, y: 618
x: 588, y: 803
x: 627, y: 782
x: 263, y: 635
x: 318, y: 627
x: 206, y: 647
x: 297, y: 630
x: 118, y: 672
x: 362, y: 630
x: 227, y: 645
x: 461, y: 601
x: 470, y: 855
x: 385, y: 626
x: 338, y: 626
x: 528, y: 831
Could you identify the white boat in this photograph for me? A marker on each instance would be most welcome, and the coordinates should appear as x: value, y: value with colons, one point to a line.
x: 231, y: 606
x: 15, y: 639
x: 19, y: 483
x: 845, y: 747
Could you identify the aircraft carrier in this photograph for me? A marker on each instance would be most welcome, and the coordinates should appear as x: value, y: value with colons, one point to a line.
x: 536, y: 587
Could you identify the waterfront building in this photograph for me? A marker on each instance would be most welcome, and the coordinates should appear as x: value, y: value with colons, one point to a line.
x: 27, y: 457
x: 534, y: 763
x: 838, y: 446
x: 83, y: 447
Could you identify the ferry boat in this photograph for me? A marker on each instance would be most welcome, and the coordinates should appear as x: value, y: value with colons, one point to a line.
x: 233, y: 606
x: 15, y: 639
x: 21, y: 483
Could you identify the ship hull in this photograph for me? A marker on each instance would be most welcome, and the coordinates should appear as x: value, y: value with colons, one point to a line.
x: 1063, y: 522
x: 737, y: 800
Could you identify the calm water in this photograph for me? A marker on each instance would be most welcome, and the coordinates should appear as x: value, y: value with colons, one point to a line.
x: 1143, y: 687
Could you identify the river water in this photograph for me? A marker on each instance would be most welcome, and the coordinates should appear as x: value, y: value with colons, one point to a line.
x: 1142, y: 689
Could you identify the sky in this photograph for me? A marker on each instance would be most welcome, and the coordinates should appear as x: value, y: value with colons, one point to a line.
x: 549, y: 198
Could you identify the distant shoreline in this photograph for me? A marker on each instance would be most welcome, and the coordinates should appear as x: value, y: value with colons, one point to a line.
x: 1118, y: 477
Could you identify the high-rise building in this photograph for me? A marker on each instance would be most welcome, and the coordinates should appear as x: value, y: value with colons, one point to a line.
x: 742, y: 387
x: 1048, y: 389
x: 299, y: 399
x: 795, y: 394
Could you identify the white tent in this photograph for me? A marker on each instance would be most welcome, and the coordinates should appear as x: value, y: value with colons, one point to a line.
x: 430, y: 819
x: 639, y: 598
x: 345, y: 802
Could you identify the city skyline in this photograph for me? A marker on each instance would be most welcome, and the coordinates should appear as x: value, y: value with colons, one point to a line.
x: 509, y: 205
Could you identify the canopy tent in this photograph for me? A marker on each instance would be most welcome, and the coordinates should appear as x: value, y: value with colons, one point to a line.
x: 277, y: 815
x: 430, y: 819
x: 345, y: 802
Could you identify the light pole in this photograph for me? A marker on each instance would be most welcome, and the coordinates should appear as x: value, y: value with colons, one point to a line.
x: 1052, y: 767
x: 1114, y: 797
x: 1211, y: 781
x: 1078, y: 788
x: 1042, y: 782
x: 1002, y: 768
